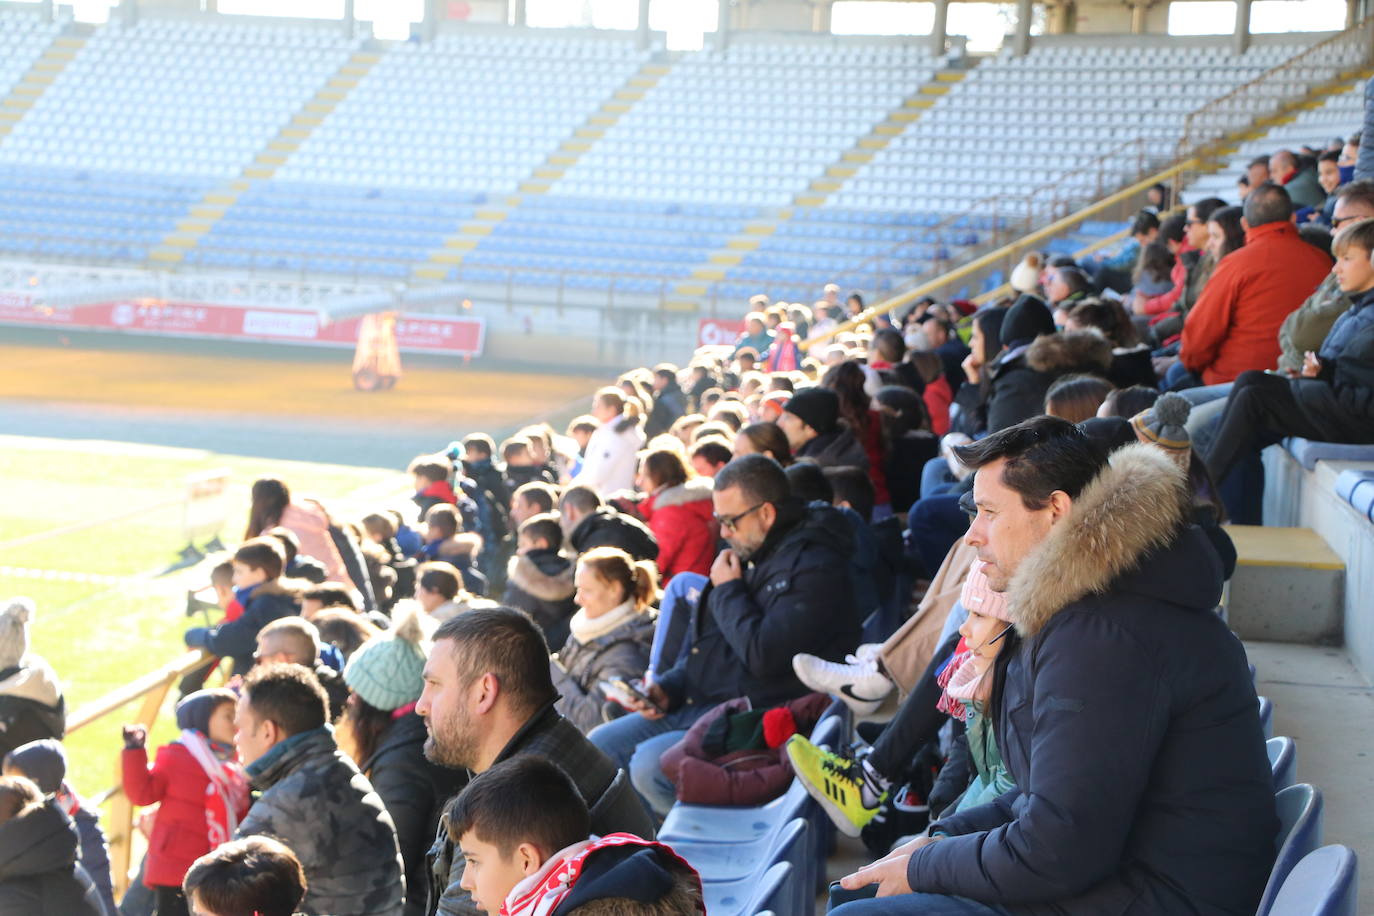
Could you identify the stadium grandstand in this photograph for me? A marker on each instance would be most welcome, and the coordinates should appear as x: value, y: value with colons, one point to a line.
x: 871, y: 456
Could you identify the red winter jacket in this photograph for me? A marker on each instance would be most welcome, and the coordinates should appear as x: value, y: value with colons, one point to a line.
x: 1235, y: 324
x: 180, y: 835
x: 681, y: 519
x: 938, y: 397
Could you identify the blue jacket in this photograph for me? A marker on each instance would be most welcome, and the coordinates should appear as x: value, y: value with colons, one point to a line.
x: 1340, y: 402
x: 796, y: 595
x: 1128, y: 722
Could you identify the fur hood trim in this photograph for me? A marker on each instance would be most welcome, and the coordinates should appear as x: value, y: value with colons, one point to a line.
x: 693, y: 491
x: 1134, y: 506
x: 529, y: 578
x: 1070, y: 351
x: 469, y: 544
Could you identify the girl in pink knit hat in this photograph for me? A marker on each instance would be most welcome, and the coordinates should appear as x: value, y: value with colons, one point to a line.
x: 968, y: 682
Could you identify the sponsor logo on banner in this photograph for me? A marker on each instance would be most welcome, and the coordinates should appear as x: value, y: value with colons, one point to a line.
x: 301, y: 325
x: 712, y: 332
x: 416, y: 333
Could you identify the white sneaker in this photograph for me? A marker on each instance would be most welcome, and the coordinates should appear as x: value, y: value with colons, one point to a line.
x: 868, y: 652
x: 861, y: 686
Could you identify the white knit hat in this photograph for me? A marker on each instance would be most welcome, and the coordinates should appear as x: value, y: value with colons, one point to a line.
x: 1025, y: 277
x: 14, y: 630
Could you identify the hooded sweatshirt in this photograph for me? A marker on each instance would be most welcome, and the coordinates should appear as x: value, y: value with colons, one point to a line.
x: 619, y: 866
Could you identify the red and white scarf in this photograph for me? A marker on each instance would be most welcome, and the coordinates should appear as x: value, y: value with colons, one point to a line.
x: 226, y: 794
x: 542, y: 892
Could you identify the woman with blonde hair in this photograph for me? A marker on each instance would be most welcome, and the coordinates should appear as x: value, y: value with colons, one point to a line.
x: 611, y: 632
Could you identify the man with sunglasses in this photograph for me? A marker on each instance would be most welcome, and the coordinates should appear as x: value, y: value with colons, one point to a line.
x: 782, y: 586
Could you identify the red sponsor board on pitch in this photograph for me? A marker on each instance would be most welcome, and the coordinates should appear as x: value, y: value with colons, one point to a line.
x: 416, y: 333
x: 717, y: 331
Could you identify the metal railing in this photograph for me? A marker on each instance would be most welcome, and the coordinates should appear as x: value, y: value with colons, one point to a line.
x: 1112, y: 207
x: 152, y: 689
x: 1275, y: 91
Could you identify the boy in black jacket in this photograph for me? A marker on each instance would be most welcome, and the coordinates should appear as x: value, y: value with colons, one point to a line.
x: 541, y: 579
x: 258, y: 587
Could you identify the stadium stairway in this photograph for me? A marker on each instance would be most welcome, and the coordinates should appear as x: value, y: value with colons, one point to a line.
x: 554, y: 166
x: 41, y: 74
x: 216, y: 203
x: 686, y: 293
x: 1330, y: 107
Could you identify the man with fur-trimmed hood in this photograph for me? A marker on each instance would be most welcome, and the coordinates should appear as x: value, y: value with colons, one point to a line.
x: 540, y: 579
x: 1128, y: 719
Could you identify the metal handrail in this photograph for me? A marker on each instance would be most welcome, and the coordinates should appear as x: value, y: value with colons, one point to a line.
x: 152, y: 688
x: 1237, y: 109
x: 1028, y: 242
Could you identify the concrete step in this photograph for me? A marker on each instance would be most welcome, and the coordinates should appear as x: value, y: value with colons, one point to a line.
x: 1289, y: 586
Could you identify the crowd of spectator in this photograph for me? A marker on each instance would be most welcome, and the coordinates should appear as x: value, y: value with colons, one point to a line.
x: 1000, y: 524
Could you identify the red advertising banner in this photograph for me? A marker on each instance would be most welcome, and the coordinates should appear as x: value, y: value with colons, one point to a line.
x: 415, y: 333
x: 713, y: 332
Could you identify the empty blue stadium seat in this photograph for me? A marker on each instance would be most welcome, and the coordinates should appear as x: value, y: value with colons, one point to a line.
x: 1266, y: 717
x: 772, y: 891
x: 1300, y: 832
x: 1283, y: 761
x: 1323, y: 883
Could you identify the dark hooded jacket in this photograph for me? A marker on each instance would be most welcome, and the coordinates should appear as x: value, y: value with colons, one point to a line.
x: 317, y: 802
x: 414, y: 792
x: 238, y: 639
x: 1023, y: 375
x: 669, y: 404
x: 838, y: 448
x: 45, y: 762
x: 1128, y: 721
x: 540, y: 583
x: 614, y: 806
x: 39, y: 872
x: 605, y: 527
x: 647, y: 874
x: 796, y: 595
x: 1340, y: 401
x: 31, y: 704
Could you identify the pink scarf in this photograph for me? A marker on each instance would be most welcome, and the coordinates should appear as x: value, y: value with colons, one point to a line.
x: 226, y: 794
x: 963, y: 679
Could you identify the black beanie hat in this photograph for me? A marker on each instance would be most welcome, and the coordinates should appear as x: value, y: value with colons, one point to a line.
x: 1027, y: 319
x: 818, y: 408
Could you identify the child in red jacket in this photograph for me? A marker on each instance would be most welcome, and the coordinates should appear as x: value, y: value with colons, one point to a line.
x: 198, y: 785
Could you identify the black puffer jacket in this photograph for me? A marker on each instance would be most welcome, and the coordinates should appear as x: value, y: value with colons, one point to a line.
x: 1021, y: 377
x: 606, y: 527
x: 31, y: 704
x: 796, y: 595
x: 540, y: 583
x: 836, y: 449
x: 39, y: 874
x: 579, y: 667
x: 1128, y: 722
x: 611, y: 800
x: 414, y: 792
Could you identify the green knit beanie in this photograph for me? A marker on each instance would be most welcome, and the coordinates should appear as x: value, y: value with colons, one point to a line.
x: 386, y: 671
